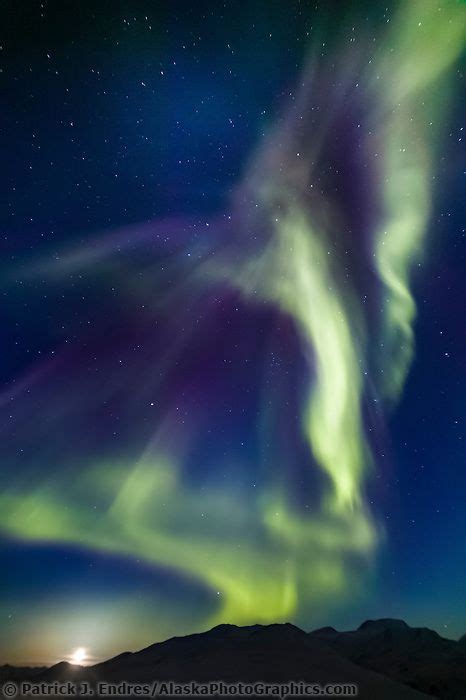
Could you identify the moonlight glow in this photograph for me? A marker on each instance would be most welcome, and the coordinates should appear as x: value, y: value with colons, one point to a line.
x: 78, y: 656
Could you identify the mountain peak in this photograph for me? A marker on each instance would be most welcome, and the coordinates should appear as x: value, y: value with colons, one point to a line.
x: 65, y: 666
x: 281, y: 628
x: 224, y: 627
x: 384, y: 623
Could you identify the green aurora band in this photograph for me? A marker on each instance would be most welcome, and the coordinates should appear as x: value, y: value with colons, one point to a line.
x: 264, y: 559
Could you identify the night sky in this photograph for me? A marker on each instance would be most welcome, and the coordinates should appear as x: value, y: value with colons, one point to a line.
x: 233, y: 368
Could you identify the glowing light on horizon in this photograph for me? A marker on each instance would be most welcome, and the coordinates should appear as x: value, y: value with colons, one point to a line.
x: 79, y: 656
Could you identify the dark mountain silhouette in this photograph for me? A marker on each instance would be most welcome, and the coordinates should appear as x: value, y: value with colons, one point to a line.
x: 387, y: 659
x: 416, y: 656
x: 9, y: 672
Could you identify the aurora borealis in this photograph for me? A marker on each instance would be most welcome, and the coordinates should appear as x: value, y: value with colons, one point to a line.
x: 211, y: 284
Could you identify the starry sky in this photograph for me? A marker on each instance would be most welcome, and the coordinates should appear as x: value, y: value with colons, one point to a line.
x: 233, y: 297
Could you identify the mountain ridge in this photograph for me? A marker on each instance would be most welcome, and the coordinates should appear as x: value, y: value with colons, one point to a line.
x: 386, y: 658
